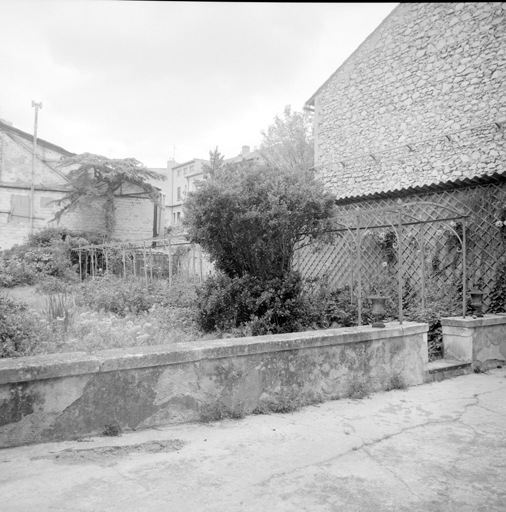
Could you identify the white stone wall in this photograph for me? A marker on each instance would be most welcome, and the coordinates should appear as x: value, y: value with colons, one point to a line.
x: 430, y: 69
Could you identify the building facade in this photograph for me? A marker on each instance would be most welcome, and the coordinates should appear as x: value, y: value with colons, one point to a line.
x: 182, y: 177
x: 136, y: 216
x: 421, y: 101
x: 417, y: 114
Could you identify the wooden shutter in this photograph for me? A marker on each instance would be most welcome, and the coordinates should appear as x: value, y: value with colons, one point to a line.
x: 20, y: 208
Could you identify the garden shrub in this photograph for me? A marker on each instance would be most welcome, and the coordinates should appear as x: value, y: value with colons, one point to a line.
x: 498, y: 294
x: 19, y: 329
x: 46, y: 253
x: 332, y: 307
x: 250, y: 218
x: 268, y: 306
x: 440, y: 302
x: 134, y: 295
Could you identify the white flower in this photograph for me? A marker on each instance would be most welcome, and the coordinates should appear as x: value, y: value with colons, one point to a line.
x: 385, y: 264
x: 499, y: 223
x: 504, y: 222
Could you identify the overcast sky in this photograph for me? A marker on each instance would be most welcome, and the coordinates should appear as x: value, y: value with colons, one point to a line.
x: 135, y: 79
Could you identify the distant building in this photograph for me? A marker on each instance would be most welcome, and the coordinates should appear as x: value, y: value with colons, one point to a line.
x: 181, y: 180
x: 245, y: 154
x: 136, y: 217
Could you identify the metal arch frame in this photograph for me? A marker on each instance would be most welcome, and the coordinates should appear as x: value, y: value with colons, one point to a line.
x: 355, y: 225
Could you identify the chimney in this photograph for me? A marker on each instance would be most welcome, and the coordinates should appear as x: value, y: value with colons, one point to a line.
x: 245, y: 150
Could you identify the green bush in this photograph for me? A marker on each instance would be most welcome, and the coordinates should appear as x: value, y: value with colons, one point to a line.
x: 498, y: 294
x: 134, y: 295
x: 268, y: 306
x: 19, y: 329
x: 332, y: 307
x: 440, y: 302
x: 45, y: 254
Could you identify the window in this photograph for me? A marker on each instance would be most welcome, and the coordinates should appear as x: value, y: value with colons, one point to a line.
x: 185, y: 171
x: 20, y: 208
x: 191, y: 169
x: 178, y: 217
x: 46, y: 202
x: 178, y: 173
x: 173, y: 218
x: 179, y: 193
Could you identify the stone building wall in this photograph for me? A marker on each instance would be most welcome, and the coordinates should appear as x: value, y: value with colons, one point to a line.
x: 134, y: 215
x: 429, y: 70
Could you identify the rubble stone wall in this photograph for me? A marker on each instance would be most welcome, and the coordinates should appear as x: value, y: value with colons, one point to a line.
x: 429, y: 70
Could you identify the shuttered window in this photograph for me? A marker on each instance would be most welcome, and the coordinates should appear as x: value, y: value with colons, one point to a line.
x: 47, y: 202
x: 20, y: 208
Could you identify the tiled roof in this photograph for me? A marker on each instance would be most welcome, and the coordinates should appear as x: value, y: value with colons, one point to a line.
x: 40, y: 142
x: 497, y: 177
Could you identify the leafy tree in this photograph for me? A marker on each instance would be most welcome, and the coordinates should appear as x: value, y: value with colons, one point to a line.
x: 216, y: 163
x: 289, y: 142
x: 251, y: 217
x: 95, y: 176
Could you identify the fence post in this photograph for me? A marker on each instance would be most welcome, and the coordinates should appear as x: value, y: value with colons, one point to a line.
x: 193, y: 259
x: 359, y: 270
x: 145, y: 264
x: 170, y: 264
x: 150, y: 263
x: 80, y: 265
x: 200, y: 260
x: 464, y: 269
x: 399, y: 262
x: 422, y: 262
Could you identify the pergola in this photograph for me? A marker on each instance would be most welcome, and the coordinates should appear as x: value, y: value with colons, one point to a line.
x: 355, y: 224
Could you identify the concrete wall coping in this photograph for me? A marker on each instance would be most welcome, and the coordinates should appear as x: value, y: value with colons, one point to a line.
x: 470, y: 322
x: 25, y: 369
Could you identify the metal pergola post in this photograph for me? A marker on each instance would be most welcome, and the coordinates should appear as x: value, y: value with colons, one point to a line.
x: 359, y: 270
x: 399, y: 264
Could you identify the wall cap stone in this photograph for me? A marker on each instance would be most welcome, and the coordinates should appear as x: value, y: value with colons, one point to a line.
x: 23, y: 369
x: 77, y: 363
x: 470, y: 322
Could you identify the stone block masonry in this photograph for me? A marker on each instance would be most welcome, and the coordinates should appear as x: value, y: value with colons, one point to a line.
x: 429, y: 69
x: 65, y: 396
x: 481, y: 341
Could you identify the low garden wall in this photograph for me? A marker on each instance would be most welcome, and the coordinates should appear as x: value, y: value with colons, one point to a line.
x: 481, y: 341
x: 65, y: 396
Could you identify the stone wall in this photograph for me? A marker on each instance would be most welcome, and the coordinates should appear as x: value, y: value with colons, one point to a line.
x: 134, y: 215
x: 481, y: 341
x: 429, y: 70
x: 64, y: 396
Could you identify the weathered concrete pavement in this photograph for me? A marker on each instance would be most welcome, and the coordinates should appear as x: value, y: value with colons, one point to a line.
x: 435, y: 447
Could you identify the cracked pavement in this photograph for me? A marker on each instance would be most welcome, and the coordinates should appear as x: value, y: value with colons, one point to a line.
x: 434, y: 447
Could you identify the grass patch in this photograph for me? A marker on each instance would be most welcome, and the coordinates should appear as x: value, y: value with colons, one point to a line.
x: 97, y: 315
x: 396, y: 382
x: 358, y: 390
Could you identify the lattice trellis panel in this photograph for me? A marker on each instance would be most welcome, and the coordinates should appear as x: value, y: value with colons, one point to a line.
x: 442, y: 251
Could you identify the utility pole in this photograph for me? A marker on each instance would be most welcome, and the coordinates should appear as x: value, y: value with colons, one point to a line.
x: 34, y: 157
